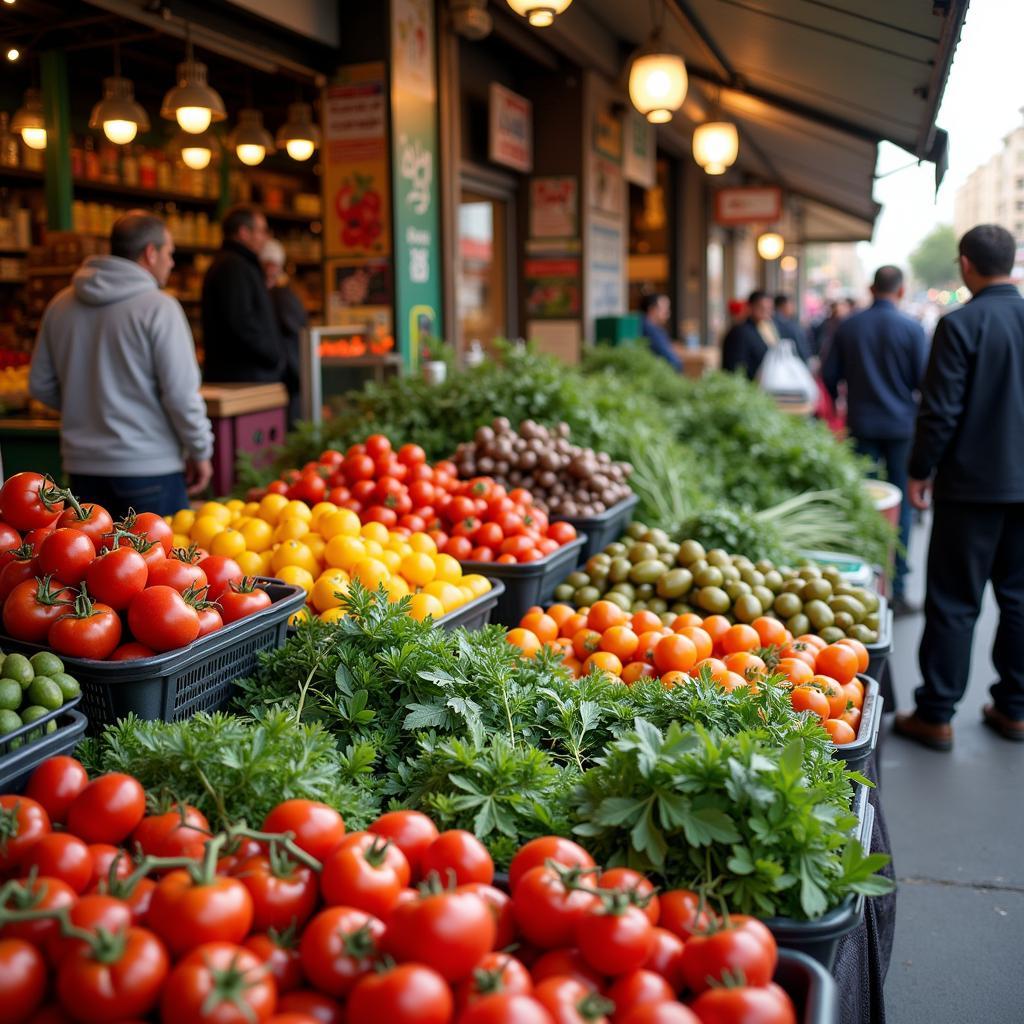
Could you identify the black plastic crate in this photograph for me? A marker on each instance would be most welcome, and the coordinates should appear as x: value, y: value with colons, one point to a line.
x: 857, y: 754
x: 175, y: 685
x: 528, y: 583
x: 810, y: 986
x: 603, y: 529
x: 819, y: 938
x: 17, y: 765
x: 474, y: 614
x: 882, y: 648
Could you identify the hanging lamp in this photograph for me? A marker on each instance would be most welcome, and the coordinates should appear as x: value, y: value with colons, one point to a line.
x: 716, y: 145
x: 299, y: 136
x: 770, y: 245
x: 118, y: 114
x: 539, y: 13
x: 657, y: 76
x: 29, y: 121
x: 250, y: 140
x: 192, y: 102
x: 196, y: 151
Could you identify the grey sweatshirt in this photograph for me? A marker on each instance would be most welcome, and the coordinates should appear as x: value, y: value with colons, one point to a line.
x: 115, y: 355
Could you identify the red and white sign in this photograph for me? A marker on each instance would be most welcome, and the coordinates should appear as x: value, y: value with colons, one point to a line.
x: 511, y: 136
x: 753, y: 205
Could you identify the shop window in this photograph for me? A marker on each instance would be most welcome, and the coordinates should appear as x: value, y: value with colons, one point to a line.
x: 481, y: 281
x: 649, y: 237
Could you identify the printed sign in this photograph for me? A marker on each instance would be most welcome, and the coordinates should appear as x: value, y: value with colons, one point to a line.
x: 606, y: 267
x: 553, y: 204
x: 511, y: 135
x: 638, y: 163
x: 552, y: 286
x: 754, y: 205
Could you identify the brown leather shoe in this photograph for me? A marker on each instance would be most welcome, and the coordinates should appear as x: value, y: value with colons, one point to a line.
x: 928, y: 734
x: 1007, y: 727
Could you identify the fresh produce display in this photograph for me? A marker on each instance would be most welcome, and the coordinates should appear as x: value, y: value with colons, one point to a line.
x: 647, y: 571
x: 31, y: 688
x: 130, y: 912
x: 564, y: 479
x: 822, y: 678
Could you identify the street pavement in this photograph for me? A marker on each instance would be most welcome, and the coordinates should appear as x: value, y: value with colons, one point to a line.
x: 957, y: 829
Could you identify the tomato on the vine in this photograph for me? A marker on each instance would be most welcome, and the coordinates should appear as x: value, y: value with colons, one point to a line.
x: 21, y: 566
x: 367, y: 873
x: 311, y: 1005
x: 187, y: 912
x: 496, y: 972
x: 683, y: 913
x: 150, y: 527
x: 338, y: 947
x: 93, y: 520
x: 741, y: 945
x: 66, y: 554
x: 615, y: 936
x: 63, y: 856
x: 117, y: 577
x: 179, y: 832
x: 460, y: 855
x: 22, y: 979
x: 638, y: 988
x: 86, y: 629
x: 55, y: 784
x: 35, y: 894
x: 284, y: 892
x: 316, y: 827
x: 637, y: 885
x: 107, y: 809
x: 160, y: 618
x: 281, y: 955
x: 547, y: 907
x: 666, y: 958
x: 566, y: 963
x: 33, y: 606
x: 23, y: 821
x: 219, y: 982
x: 570, y: 1001
x: 91, y: 913
x: 406, y: 994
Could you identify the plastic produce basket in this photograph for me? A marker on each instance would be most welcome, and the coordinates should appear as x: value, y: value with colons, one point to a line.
x: 879, y: 651
x: 474, y: 614
x: 175, y: 685
x: 528, y: 583
x: 819, y: 938
x: 810, y: 986
x: 18, y: 763
x: 602, y: 530
x: 857, y: 753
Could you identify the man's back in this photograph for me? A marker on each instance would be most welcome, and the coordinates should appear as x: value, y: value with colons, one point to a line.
x: 971, y: 425
x: 881, y: 354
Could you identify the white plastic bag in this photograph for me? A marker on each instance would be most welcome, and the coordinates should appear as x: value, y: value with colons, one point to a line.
x: 784, y: 374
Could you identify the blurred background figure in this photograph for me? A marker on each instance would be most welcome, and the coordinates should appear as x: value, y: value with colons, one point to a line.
x: 787, y: 323
x: 291, y: 320
x: 657, y: 311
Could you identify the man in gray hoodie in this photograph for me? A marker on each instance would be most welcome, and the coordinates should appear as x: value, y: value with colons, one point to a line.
x: 115, y: 355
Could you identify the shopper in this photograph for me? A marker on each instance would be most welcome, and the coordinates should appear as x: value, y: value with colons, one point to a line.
x: 968, y: 454
x: 291, y: 320
x: 824, y: 332
x: 787, y: 324
x: 657, y: 311
x: 880, y: 355
x: 747, y: 342
x: 240, y: 336
x: 115, y: 355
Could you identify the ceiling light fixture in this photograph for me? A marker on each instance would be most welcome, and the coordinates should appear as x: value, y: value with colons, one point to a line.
x: 539, y: 13
x: 29, y: 121
x: 118, y: 114
x: 657, y: 76
x: 716, y: 145
x: 770, y: 245
x: 192, y: 102
x: 13, y: 53
x: 250, y: 140
x: 299, y: 136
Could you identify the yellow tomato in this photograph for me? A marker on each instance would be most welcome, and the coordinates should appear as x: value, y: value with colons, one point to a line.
x: 424, y: 604
x: 294, y: 552
x: 258, y: 534
x: 235, y: 505
x: 343, y: 552
x: 327, y: 593
x: 214, y: 508
x: 267, y: 558
x: 302, y: 615
x: 397, y: 588
x: 290, y: 529
x: 205, y: 529
x: 297, y: 510
x: 250, y: 563
x: 447, y: 593
x: 418, y: 568
x: 467, y: 593
x: 343, y: 523
x: 333, y: 615
x: 297, y: 577
x: 180, y: 540
x: 229, y: 543
x: 373, y: 549
x: 423, y: 542
x: 271, y: 507
x: 252, y: 508
x: 375, y: 531
x: 321, y: 510
x: 448, y: 568
x: 478, y: 584
x: 183, y: 521
x: 392, y: 559
x: 371, y: 572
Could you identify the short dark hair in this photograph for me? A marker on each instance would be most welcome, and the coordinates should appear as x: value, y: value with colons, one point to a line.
x: 888, y: 280
x: 756, y: 296
x: 781, y: 299
x: 241, y: 215
x: 650, y: 300
x: 991, y: 250
x: 133, y: 231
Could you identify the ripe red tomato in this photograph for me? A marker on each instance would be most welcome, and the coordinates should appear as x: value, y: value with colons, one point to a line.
x: 178, y: 573
x: 22, y: 979
x: 613, y: 938
x: 281, y: 956
x: 93, y: 520
x: 63, y: 856
x: 30, y: 500
x: 538, y: 852
x: 284, y: 893
x: 766, y: 1005
x: 459, y: 547
x: 10, y: 541
x: 496, y: 972
x: 91, y: 912
x: 33, y: 606
x: 179, y: 832
x: 411, y: 455
x: 23, y: 821
x: 638, y: 988
x: 55, y: 784
x: 149, y: 526
x: 109, y: 863
x: 367, y: 873
x: 338, y: 947
x: 683, y: 914
x: 67, y: 554
x: 221, y: 983
x: 316, y: 827
x: 412, y: 832
x: 220, y: 571
x: 88, y: 629
x: 506, y: 1008
x: 242, y: 599
x: 633, y: 882
x: 743, y: 945
x: 311, y: 1006
x: 107, y: 809
x: 561, y: 532
x: 566, y: 963
x: 41, y: 893
x: 186, y: 914
x: 406, y: 994
x: 117, y: 577
x: 666, y: 958
x: 500, y: 905
x: 160, y: 618
x: 546, y: 910
x: 132, y: 652
x: 459, y: 854
x: 661, y: 1013
x: 311, y: 488
x: 570, y: 1001
x: 19, y: 567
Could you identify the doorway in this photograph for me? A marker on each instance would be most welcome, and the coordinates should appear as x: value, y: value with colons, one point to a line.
x: 482, y: 275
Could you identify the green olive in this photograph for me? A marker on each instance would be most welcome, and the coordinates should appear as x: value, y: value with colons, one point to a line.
x: 798, y: 624
x: 674, y: 583
x: 809, y: 572
x: 773, y: 580
x: 624, y: 588
x: 647, y: 571
x: 635, y: 530
x: 719, y: 557
x: 657, y: 537
x: 619, y: 570
x: 713, y: 600
x: 639, y: 606
x: 729, y: 572
x: 616, y: 549
x: 641, y: 552
x: 690, y: 551
x: 820, y: 614
x: 598, y: 563
x: 793, y: 587
x: 788, y: 605
x: 764, y: 565
x: 669, y: 617
x: 844, y: 621
x: 620, y: 599
x: 873, y: 622
x: 709, y: 577
x: 577, y: 579
x: 833, y: 575
x: 586, y: 596
x: 563, y: 592
x: 868, y: 598
x: 850, y: 606
x: 747, y: 608
x: 742, y: 562
x: 830, y: 634
x: 817, y: 590
x: 699, y: 566
x: 645, y: 591
x: 864, y: 634
x: 658, y: 605
x: 736, y: 588
x: 765, y: 597
x: 753, y: 577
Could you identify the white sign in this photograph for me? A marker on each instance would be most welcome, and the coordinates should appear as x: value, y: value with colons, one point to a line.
x: 606, y: 267
x: 553, y: 207
x: 638, y: 163
x: 752, y: 205
x: 511, y: 135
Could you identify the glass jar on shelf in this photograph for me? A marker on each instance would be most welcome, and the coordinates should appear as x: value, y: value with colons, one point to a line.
x: 8, y: 142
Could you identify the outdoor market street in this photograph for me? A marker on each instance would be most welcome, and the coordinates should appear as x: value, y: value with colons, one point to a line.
x: 957, y: 834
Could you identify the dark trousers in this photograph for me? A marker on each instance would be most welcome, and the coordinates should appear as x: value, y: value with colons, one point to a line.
x: 164, y: 495
x: 894, y: 455
x: 970, y: 545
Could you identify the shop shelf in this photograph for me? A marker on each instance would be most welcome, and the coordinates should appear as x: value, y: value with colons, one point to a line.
x: 529, y: 583
x: 809, y: 985
x: 858, y: 753
x: 175, y: 685
x: 18, y: 762
x: 477, y: 613
x: 819, y: 939
x: 602, y: 530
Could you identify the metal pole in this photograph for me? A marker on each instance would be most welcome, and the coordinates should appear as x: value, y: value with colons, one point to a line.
x: 56, y: 109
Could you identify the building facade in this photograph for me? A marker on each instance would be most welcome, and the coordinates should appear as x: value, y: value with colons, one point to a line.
x: 994, y: 192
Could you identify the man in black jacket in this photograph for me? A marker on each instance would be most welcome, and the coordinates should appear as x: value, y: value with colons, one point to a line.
x: 969, y: 453
x: 746, y: 344
x: 240, y: 336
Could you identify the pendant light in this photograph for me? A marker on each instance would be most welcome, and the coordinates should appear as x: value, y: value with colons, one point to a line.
x: 250, y: 140
x: 196, y: 151
x: 716, y: 145
x: 299, y: 136
x: 657, y: 76
x: 29, y: 121
x: 770, y: 245
x: 539, y: 13
x: 118, y: 113
x: 192, y: 103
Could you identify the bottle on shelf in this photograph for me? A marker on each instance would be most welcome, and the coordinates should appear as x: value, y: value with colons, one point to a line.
x: 147, y: 169
x: 8, y: 143
x: 90, y: 160
x: 130, y: 167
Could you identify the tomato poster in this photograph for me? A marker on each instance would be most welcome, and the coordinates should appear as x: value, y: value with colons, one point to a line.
x: 356, y: 179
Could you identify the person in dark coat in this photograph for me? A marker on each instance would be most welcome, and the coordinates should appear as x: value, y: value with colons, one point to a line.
x: 240, y: 335
x: 657, y: 311
x: 880, y: 354
x: 967, y: 462
x: 746, y: 344
x: 291, y: 321
x: 787, y: 323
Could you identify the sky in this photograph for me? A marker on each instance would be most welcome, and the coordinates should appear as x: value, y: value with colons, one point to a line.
x: 981, y: 104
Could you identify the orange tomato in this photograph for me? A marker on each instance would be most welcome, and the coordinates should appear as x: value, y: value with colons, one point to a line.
x: 541, y: 624
x: 573, y: 624
x: 809, y: 698
x: 605, y: 614
x: 526, y: 641
x: 675, y: 653
x: 637, y: 670
x: 771, y: 631
x: 561, y: 643
x: 851, y: 716
x: 573, y: 664
x: 644, y: 621
x: 801, y: 651
x: 674, y: 678
x: 854, y: 691
x: 796, y: 670
x: 812, y: 640
x: 701, y: 640
x: 647, y: 642
x: 837, y: 661
x: 740, y: 637
x: 585, y: 642
x: 859, y: 649
x: 833, y: 691
x: 603, y: 661
x: 716, y: 626
x: 718, y: 670
x: 745, y: 664
x: 561, y: 612
x: 680, y: 622
x: 841, y: 732
x: 732, y: 681
x: 620, y: 641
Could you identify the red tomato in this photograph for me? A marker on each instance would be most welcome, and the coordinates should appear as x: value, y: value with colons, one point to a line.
x: 177, y: 573
x: 742, y: 945
x: 55, y: 784
x: 179, y: 832
x: 683, y: 914
x: 161, y: 619
x: 666, y: 958
x: 570, y: 1001
x: 220, y: 983
x: 459, y: 547
x: 633, y: 882
x: 661, y: 1013
x: 538, y: 852
x: 412, y: 832
x: 186, y: 914
x: 108, y: 809
x: 23, y: 822
x: 30, y: 500
x: 91, y: 913
x: 242, y: 599
x: 310, y: 488
x: 93, y: 520
x: 566, y: 963
x: 109, y: 864
x: 42, y: 893
x: 318, y: 1008
x: 500, y: 905
x: 220, y: 571
x: 132, y: 652
x: 63, y: 856
x: 284, y: 893
x: 317, y: 828
x: 20, y: 567
x: 33, y: 606
x: 496, y: 972
x: 117, y: 577
x: 406, y: 994
x: 546, y: 910
x: 338, y: 947
x: 562, y: 533
x: 22, y: 979
x: 506, y: 1008
x: 210, y: 619
x: 614, y: 938
x: 638, y: 988
x: 460, y: 854
x: 67, y: 554
x: 737, y: 1005
x: 481, y: 554
x: 377, y: 445
x: 10, y: 541
x: 367, y: 873
x: 281, y: 957
x: 149, y: 526
x: 88, y: 630
x: 411, y: 455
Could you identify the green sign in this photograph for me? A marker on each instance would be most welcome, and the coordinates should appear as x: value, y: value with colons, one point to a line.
x: 414, y: 173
